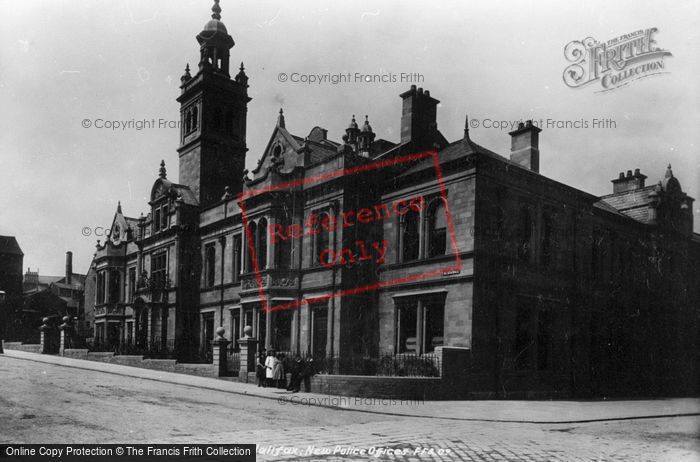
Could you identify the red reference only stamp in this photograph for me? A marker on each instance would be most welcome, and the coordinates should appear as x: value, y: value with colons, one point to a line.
x: 361, y: 250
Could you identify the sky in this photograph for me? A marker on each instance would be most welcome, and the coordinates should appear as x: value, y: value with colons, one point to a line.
x: 63, y: 63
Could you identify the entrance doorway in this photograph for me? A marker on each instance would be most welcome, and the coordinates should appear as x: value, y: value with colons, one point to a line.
x: 319, y: 329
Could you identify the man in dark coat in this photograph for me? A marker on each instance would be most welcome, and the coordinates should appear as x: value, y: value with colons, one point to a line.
x: 297, y: 369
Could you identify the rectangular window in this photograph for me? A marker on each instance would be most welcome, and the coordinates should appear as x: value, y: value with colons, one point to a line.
x: 114, y: 286
x: 547, y: 236
x: 407, y: 326
x: 132, y: 283
x: 434, y: 324
x: 164, y: 217
x: 156, y: 220
x: 237, y: 249
x: 100, y: 292
x: 420, y: 324
x: 158, y: 274
x: 210, y: 265
x: 282, y: 330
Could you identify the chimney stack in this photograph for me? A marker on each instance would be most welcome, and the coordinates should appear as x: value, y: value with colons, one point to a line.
x: 418, y: 117
x: 628, y: 182
x: 69, y: 267
x: 525, y: 146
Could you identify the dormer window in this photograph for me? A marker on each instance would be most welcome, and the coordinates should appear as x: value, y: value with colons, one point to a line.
x: 161, y: 217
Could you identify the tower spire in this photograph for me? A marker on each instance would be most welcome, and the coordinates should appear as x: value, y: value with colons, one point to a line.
x: 216, y: 10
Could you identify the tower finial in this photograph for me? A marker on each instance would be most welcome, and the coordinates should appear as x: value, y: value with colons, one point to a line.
x: 466, y: 127
x: 216, y: 9
x: 119, y: 206
x: 162, y: 172
x: 669, y: 172
x: 280, y: 119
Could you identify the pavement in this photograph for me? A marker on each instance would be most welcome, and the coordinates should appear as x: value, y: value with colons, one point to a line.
x: 552, y: 412
x: 50, y: 399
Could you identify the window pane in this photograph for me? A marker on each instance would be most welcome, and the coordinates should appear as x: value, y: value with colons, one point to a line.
x: 411, y: 236
x: 250, y: 242
x: 434, y: 324
x: 236, y: 264
x: 322, y: 243
x: 407, y: 327
x: 262, y: 244
x: 210, y: 265
x: 437, y: 235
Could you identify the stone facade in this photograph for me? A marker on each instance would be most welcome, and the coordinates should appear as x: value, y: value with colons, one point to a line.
x: 321, y: 251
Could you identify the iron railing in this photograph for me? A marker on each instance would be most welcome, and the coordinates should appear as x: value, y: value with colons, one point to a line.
x: 401, y: 365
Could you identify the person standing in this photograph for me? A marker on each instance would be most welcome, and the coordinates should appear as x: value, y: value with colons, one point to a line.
x: 269, y: 365
x: 260, y: 369
x: 278, y: 371
x: 296, y: 370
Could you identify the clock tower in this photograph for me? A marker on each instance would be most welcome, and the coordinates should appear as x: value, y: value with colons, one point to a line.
x: 213, y: 112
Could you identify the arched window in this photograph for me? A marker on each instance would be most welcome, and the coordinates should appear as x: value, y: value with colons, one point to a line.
x: 210, y: 265
x: 283, y: 247
x: 195, y: 117
x: 437, y: 228
x: 261, y: 248
x: 410, y: 235
x: 250, y: 239
x: 188, y: 121
x: 321, y: 242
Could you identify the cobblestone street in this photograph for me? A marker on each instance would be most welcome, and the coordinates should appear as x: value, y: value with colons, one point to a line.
x: 50, y: 403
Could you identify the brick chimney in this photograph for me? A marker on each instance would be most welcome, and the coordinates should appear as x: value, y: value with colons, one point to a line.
x: 69, y: 267
x: 524, y: 146
x: 628, y: 182
x: 418, y: 117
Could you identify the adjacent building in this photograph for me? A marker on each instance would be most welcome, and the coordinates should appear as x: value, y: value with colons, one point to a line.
x: 11, y: 264
x: 547, y: 287
x: 54, y: 297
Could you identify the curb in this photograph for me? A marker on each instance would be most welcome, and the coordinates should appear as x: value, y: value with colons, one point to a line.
x: 339, y: 408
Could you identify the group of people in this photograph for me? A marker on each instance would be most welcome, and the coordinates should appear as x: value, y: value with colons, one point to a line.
x: 271, y: 371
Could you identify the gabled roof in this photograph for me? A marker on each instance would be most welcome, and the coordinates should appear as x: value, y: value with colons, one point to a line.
x: 164, y: 187
x: 633, y: 203
x: 9, y: 246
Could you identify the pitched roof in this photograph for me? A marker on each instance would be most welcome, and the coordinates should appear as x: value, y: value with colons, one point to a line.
x: 9, y: 246
x: 633, y: 203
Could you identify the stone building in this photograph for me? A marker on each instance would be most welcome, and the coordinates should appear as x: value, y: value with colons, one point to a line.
x: 365, y: 247
x: 11, y: 258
